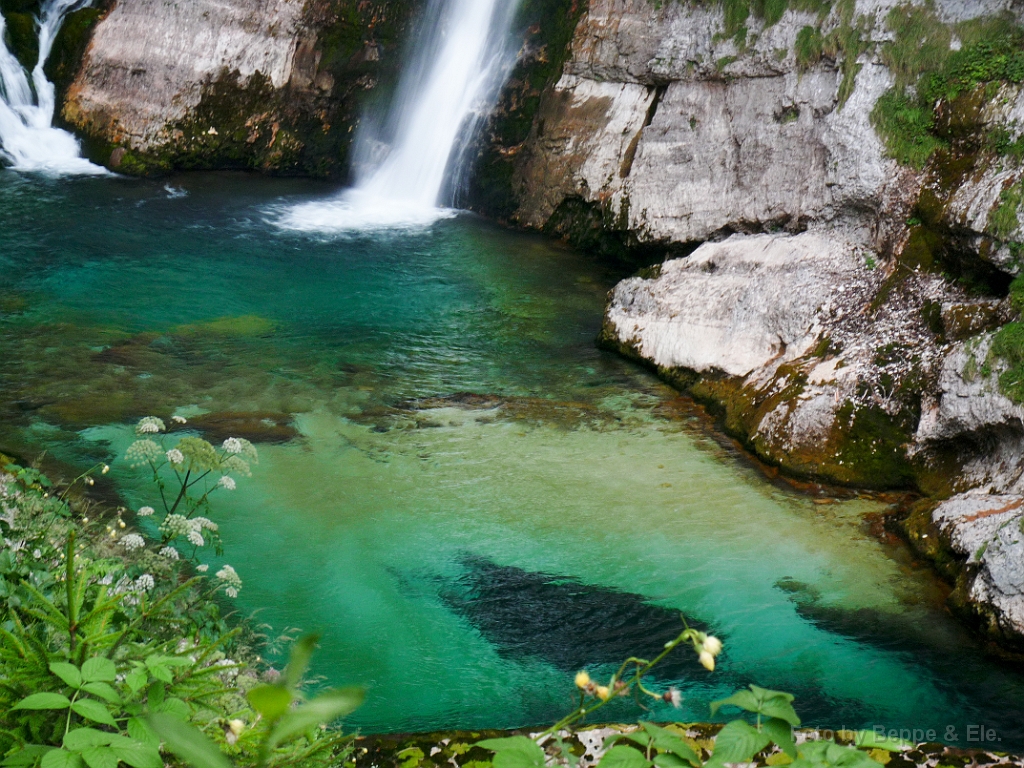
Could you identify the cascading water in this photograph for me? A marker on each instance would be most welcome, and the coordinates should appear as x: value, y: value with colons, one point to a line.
x: 28, y: 140
x: 462, y: 59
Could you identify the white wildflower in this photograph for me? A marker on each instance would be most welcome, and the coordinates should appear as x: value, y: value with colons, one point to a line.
x: 712, y: 645
x: 176, y: 525
x: 204, y: 524
x: 133, y: 541
x: 179, y: 419
x: 195, y: 538
x: 150, y: 425
x: 232, y: 445
x: 175, y: 456
x: 37, y: 553
x: 202, y: 568
x: 145, y: 511
x: 231, y: 580
x: 144, y: 583
x: 170, y: 553
x: 227, y: 483
x: 142, y: 452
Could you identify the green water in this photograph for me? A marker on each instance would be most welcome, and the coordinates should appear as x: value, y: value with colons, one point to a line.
x: 461, y: 556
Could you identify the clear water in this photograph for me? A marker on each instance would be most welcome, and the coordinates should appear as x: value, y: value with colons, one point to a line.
x: 462, y: 556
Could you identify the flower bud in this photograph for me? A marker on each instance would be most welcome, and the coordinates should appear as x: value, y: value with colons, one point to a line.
x: 713, y: 645
x: 603, y: 693
x: 106, y: 468
x: 236, y: 726
x: 707, y: 661
x: 582, y: 680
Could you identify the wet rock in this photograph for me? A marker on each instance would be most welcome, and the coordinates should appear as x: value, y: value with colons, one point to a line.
x: 254, y: 426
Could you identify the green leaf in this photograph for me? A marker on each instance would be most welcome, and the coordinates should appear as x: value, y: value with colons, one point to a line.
x: 174, y: 707
x: 80, y: 738
x: 99, y: 670
x: 871, y: 740
x: 780, y: 732
x: 767, y: 693
x: 161, y: 673
x: 298, y: 662
x: 26, y: 756
x: 135, y: 680
x: 137, y: 754
x: 43, y: 701
x: 670, y: 742
x: 93, y: 710
x: 514, y: 752
x: 60, y: 758
x: 828, y: 754
x: 103, y: 691
x: 737, y: 742
x: 325, y: 708
x: 779, y: 707
x: 742, y: 699
x: 669, y: 760
x: 188, y: 742
x: 621, y: 756
x: 68, y: 673
x: 141, y: 731
x: 99, y: 757
x: 271, y: 701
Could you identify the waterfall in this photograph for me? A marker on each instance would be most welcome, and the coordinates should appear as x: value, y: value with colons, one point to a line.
x: 461, y: 59
x: 28, y: 140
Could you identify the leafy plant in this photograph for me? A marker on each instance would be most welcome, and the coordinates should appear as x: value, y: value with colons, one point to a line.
x: 286, y: 715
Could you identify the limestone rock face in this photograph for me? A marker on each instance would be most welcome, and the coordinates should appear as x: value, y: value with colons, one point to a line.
x: 149, y: 60
x: 986, y: 531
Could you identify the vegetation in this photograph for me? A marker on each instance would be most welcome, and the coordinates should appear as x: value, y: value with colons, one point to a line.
x: 929, y: 72
x: 108, y: 641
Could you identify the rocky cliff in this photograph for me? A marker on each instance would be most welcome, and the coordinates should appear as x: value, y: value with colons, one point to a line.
x: 272, y: 85
x: 844, y: 180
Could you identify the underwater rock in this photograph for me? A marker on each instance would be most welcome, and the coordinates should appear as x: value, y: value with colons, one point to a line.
x: 255, y: 426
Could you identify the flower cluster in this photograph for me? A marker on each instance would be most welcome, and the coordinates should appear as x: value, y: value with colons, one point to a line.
x: 150, y: 425
x: 231, y: 579
x: 132, y: 542
x: 142, y: 452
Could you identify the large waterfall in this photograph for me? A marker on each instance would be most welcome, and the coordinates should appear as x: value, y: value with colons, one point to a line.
x: 28, y: 140
x: 460, y: 61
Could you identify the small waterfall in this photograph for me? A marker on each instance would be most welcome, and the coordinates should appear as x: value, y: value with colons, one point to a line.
x: 28, y: 140
x: 461, y: 60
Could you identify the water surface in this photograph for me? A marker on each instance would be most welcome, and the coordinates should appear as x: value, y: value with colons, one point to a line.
x: 478, y: 501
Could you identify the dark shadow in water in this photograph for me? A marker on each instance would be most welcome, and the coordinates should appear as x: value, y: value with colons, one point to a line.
x: 973, y: 683
x: 571, y: 625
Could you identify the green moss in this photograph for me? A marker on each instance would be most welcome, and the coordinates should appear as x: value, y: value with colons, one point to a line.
x: 1004, y: 219
x: 22, y: 39
x: 1008, y: 345
x: 992, y: 52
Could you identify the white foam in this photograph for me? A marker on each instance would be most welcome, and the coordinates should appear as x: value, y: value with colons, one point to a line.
x: 447, y: 89
x: 28, y: 140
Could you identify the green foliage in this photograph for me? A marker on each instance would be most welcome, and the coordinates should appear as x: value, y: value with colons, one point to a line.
x: 1005, y: 218
x: 920, y: 44
x: 281, y: 706
x: 809, y: 46
x: 906, y: 125
x: 991, y: 52
x: 105, y: 641
x: 1008, y: 345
